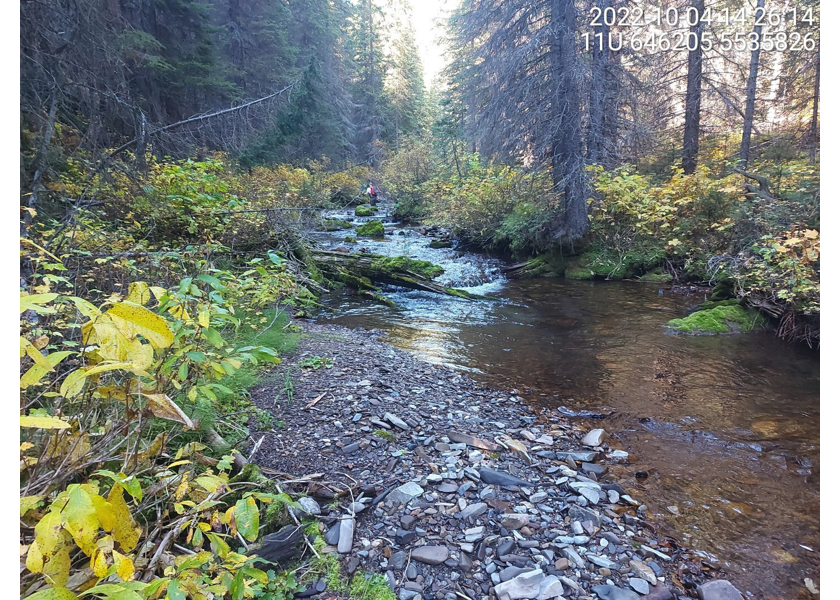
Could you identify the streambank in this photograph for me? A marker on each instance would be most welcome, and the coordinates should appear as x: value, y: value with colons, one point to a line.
x: 451, y: 490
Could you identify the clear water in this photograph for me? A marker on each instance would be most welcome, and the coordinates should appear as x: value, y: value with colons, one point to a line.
x: 727, y: 427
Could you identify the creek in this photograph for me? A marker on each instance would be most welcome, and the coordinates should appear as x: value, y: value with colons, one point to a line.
x: 722, y: 431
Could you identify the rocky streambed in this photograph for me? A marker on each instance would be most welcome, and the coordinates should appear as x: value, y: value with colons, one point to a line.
x: 450, y: 490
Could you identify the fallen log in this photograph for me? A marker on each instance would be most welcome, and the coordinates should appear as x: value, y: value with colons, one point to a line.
x: 361, y: 270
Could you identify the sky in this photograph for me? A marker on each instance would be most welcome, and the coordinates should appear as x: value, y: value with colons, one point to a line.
x: 427, y: 15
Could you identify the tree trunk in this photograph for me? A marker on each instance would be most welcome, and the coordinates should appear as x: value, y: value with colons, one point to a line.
x: 744, y: 154
x: 691, y: 133
x: 814, y: 133
x: 567, y: 157
x: 598, y: 91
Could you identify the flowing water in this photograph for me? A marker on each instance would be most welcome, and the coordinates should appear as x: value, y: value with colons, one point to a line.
x: 725, y: 428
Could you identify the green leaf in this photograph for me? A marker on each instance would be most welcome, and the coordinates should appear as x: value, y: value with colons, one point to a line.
x: 213, y: 336
x: 247, y: 518
x: 36, y: 301
x: 174, y: 591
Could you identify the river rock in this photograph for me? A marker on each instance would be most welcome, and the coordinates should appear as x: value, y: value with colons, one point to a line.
x: 551, y: 587
x: 392, y: 418
x: 574, y: 558
x: 509, y: 573
x: 593, y: 469
x: 611, y: 592
x: 525, y: 585
x: 500, y: 478
x: 473, y: 510
x: 580, y: 457
x: 345, y: 538
x: 719, y: 589
x: 643, y: 571
x: 431, y: 555
x: 594, y: 438
x: 514, y: 520
x: 475, y: 442
x: 602, y: 561
x: 309, y: 506
x: 333, y: 534
x: 659, y: 592
x: 404, y: 536
x: 405, y: 493
x: 640, y: 585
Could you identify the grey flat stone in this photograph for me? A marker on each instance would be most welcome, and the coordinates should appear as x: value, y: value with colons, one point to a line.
x: 500, y: 478
x: 345, y: 539
x: 550, y: 587
x: 309, y: 506
x: 405, y: 493
x: 509, y: 573
x: 577, y: 456
x: 392, y: 418
x: 473, y: 510
x: 643, y: 571
x: 611, y: 592
x: 525, y: 585
x: 431, y: 555
x: 475, y: 442
x: 514, y: 520
x: 640, y: 585
x: 719, y: 589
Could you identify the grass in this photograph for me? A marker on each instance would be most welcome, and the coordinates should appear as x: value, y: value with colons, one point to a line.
x: 385, y: 435
x: 363, y: 585
x: 267, y: 328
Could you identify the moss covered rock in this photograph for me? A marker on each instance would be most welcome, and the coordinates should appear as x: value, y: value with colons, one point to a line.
x: 336, y: 225
x: 389, y: 264
x: 725, y: 317
x: 440, y: 244
x: 657, y: 276
x: 371, y: 229
x: 365, y: 210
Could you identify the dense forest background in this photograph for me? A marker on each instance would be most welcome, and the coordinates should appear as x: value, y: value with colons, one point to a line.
x: 174, y: 153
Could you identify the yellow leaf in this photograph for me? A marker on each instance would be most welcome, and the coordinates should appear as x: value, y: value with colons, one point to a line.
x: 157, y: 291
x: 33, y: 422
x: 79, y: 519
x: 163, y: 407
x: 28, y: 503
x: 811, y: 234
x: 86, y: 308
x: 113, y: 345
x: 26, y: 446
x: 50, y: 552
x: 183, y: 487
x: 204, y: 318
x: 125, y: 568
x: 126, y: 532
x: 56, y: 593
x: 37, y: 372
x: 138, y: 292
x: 140, y: 355
x: 132, y: 320
x: 41, y: 342
x: 99, y: 563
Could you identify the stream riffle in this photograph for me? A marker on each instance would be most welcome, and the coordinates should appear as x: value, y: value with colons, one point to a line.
x: 723, y: 431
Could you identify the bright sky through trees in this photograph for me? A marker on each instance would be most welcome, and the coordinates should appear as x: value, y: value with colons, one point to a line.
x: 429, y: 17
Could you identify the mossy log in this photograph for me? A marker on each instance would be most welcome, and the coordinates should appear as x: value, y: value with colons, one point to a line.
x: 361, y: 270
